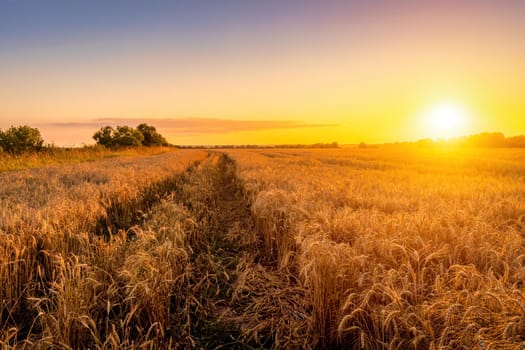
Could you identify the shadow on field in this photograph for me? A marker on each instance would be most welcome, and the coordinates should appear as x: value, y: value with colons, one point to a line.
x: 122, y: 215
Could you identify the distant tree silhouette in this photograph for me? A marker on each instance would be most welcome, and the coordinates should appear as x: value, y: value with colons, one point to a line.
x: 486, y: 139
x: 425, y: 143
x: 105, y: 136
x: 151, y: 136
x: 126, y: 136
x: 21, y: 139
x: 516, y: 141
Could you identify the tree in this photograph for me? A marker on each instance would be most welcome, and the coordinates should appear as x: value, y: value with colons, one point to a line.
x: 516, y: 141
x: 486, y: 139
x: 143, y: 135
x: 105, y: 136
x: 128, y: 136
x: 21, y: 139
x: 151, y: 136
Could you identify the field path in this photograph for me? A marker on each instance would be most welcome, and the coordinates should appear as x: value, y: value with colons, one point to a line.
x: 223, y: 213
x: 244, y: 301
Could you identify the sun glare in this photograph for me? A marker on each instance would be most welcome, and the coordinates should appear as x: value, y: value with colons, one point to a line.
x: 445, y: 120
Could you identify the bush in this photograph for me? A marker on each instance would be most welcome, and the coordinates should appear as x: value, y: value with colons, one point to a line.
x: 128, y: 136
x: 125, y: 136
x: 105, y: 136
x: 19, y: 139
x: 151, y: 136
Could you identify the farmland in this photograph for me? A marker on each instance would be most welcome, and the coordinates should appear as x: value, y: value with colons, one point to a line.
x: 398, y: 248
x: 378, y: 248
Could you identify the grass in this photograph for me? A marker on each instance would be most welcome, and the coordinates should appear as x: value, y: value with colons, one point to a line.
x: 379, y: 248
x: 67, y: 286
x: 398, y: 247
x: 56, y: 156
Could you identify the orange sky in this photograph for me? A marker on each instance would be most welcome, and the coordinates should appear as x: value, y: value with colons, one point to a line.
x: 283, y: 73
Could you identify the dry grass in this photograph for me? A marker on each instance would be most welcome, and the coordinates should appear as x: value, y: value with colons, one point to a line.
x: 389, y: 248
x: 68, y: 286
x: 398, y: 247
x: 132, y: 253
x: 56, y: 155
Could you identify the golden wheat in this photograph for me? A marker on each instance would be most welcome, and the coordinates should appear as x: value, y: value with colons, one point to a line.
x: 398, y: 247
x: 392, y: 247
x: 64, y: 284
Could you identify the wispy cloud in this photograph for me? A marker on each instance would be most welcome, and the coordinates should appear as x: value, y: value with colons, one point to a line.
x: 192, y: 126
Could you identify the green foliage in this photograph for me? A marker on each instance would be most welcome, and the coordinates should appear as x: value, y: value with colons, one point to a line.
x: 151, y: 136
x: 20, y: 139
x: 105, y: 136
x: 126, y: 136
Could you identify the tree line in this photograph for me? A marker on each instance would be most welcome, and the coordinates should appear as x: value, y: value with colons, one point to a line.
x: 287, y: 145
x: 23, y: 139
x: 142, y: 135
x: 485, y: 139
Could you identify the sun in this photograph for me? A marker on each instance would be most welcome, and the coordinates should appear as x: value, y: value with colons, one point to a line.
x: 445, y: 119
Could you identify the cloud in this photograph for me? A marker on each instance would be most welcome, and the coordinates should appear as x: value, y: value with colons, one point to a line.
x: 192, y: 126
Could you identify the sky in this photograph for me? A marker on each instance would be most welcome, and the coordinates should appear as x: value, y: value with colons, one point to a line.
x: 263, y: 72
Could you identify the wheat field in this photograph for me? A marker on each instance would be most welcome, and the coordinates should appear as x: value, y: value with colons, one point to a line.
x: 393, y: 247
x: 398, y: 247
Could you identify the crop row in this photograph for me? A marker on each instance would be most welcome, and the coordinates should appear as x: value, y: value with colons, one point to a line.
x: 397, y: 250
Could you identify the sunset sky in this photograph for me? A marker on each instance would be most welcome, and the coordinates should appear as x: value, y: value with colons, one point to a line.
x: 263, y: 72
